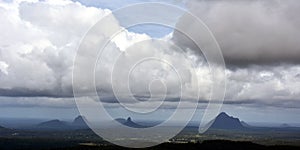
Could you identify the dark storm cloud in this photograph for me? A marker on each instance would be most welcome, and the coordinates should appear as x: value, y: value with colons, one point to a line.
x: 249, y: 32
x: 24, y: 92
x: 37, y: 102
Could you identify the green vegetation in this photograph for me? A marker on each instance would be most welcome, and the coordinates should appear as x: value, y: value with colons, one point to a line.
x: 188, y: 138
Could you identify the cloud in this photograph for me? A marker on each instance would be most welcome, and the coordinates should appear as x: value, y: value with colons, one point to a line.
x: 265, y: 85
x: 3, y: 67
x: 260, y: 44
x: 249, y: 31
x: 37, y: 102
x: 116, y: 4
x: 39, y: 48
x: 37, y: 52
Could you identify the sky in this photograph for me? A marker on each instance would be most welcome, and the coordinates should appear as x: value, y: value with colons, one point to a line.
x: 258, y: 39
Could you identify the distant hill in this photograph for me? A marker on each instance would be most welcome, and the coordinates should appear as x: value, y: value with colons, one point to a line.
x: 53, y: 124
x: 129, y: 123
x: 6, y: 132
x: 226, y: 122
x: 285, y: 125
x: 79, y: 123
x: 3, y: 129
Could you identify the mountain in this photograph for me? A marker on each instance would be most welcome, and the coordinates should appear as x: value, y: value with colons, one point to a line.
x: 53, y: 124
x: 285, y: 125
x: 6, y: 131
x: 79, y: 123
x: 245, y: 124
x: 3, y: 129
x: 129, y: 123
x: 226, y: 122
